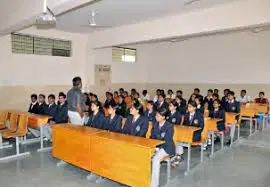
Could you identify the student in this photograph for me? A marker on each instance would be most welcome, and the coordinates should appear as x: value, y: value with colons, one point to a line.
x: 262, y: 99
x: 156, y: 96
x: 219, y: 113
x: 192, y: 98
x: 109, y: 99
x: 122, y: 107
x: 61, y: 115
x: 243, y: 97
x: 216, y: 91
x: 146, y: 96
x: 52, y: 106
x: 225, y: 97
x: 191, y: 118
x: 128, y: 99
x: 210, y: 104
x: 116, y: 97
x: 174, y: 117
x: 197, y: 91
x: 97, y: 118
x: 42, y: 106
x: 121, y: 91
x: 33, y: 108
x: 209, y: 99
x: 162, y: 130
x: 200, y: 107
x: 86, y: 101
x: 161, y: 103
x: 133, y: 92
x: 170, y: 95
x: 182, y: 108
x: 113, y: 122
x: 232, y: 106
x: 93, y: 98
x: 136, y: 124
x: 150, y: 113
x: 162, y: 92
x: 180, y: 94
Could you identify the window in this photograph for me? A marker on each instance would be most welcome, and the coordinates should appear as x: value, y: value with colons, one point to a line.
x: 120, y: 54
x: 26, y: 44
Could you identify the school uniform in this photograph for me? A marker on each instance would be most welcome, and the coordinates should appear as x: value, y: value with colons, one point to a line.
x: 261, y: 101
x: 196, y: 119
x: 224, y: 100
x: 136, y: 128
x: 33, y: 108
x: 96, y: 121
x: 52, y: 109
x: 209, y: 101
x: 113, y: 124
x: 122, y: 108
x: 109, y: 102
x: 245, y: 99
x: 165, y: 133
x: 159, y: 105
x: 150, y: 116
x: 42, y: 109
x: 181, y: 109
x: 146, y: 97
x: 170, y: 96
x: 200, y: 109
x: 219, y: 114
x: 174, y: 118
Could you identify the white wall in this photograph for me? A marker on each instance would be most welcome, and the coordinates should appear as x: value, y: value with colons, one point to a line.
x: 20, y: 69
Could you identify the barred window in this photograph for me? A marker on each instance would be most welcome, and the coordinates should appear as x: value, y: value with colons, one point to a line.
x: 120, y: 54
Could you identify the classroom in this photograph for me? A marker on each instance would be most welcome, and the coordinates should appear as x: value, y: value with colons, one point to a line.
x: 140, y: 93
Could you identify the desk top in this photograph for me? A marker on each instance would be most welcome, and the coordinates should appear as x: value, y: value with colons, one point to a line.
x: 76, y: 128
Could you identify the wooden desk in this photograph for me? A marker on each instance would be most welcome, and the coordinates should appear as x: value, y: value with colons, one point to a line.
x: 72, y: 144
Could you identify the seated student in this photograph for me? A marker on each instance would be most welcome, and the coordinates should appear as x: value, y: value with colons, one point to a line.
x: 232, y: 106
x: 97, y: 118
x: 42, y: 106
x: 122, y: 107
x: 262, y: 99
x: 210, y: 104
x: 116, y: 97
x: 156, y: 96
x: 208, y: 99
x: 86, y: 101
x: 174, y: 117
x: 145, y: 96
x: 243, y: 98
x: 52, y: 106
x: 109, y: 99
x: 128, y: 99
x: 170, y: 95
x: 162, y: 130
x: 161, y: 103
x: 133, y: 92
x: 200, y: 107
x: 216, y: 91
x: 121, y: 91
x: 180, y: 94
x: 150, y: 113
x: 219, y: 113
x: 182, y: 108
x: 225, y: 97
x: 94, y: 97
x: 197, y: 92
x: 33, y: 108
x: 113, y: 122
x: 192, y: 98
x: 61, y: 115
x: 136, y: 123
x: 191, y: 118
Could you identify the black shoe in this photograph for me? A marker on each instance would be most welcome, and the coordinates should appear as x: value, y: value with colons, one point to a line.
x: 228, y: 143
x: 217, y: 140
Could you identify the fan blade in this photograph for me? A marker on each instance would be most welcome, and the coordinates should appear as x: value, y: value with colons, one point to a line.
x: 190, y: 2
x: 96, y: 27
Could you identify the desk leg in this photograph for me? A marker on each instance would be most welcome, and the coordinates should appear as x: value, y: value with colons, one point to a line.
x: 188, y: 159
x: 42, y: 149
x: 250, y: 126
x: 213, y: 144
x: 263, y: 123
x: 222, y: 140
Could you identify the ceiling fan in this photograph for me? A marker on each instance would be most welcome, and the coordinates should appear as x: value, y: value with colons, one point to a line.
x: 189, y: 2
x: 92, y: 22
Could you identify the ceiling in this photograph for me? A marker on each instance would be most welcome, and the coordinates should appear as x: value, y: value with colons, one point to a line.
x: 115, y: 13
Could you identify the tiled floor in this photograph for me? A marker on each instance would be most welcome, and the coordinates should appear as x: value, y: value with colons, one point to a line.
x: 245, y: 164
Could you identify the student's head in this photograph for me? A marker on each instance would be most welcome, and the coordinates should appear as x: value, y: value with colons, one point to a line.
x: 216, y: 91
x: 170, y: 92
x: 62, y: 98
x: 197, y: 91
x: 41, y: 98
x: 85, y: 97
x: 173, y: 105
x: 112, y: 108
x: 198, y: 100
x: 158, y: 92
x: 192, y: 106
x: 125, y: 94
x: 210, y: 92
x: 136, y: 109
x: 144, y: 92
x: 231, y: 95
x: 261, y: 94
x: 109, y: 95
x: 178, y: 99
x: 192, y: 97
x: 161, y: 98
x: 94, y: 97
x: 77, y: 82
x: 136, y: 95
x: 121, y: 91
x: 243, y: 93
x: 215, y: 96
x: 51, y: 99
x: 161, y: 115
x: 150, y: 105
x: 179, y: 93
x: 115, y: 94
x: 216, y: 103
x: 121, y: 99
x: 162, y: 92
x: 95, y: 106
x: 226, y: 91
x: 133, y: 91
x: 33, y: 98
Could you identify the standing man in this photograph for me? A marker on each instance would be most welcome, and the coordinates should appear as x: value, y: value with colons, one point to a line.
x: 76, y: 104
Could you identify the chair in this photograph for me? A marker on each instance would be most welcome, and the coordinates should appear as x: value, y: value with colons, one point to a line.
x: 250, y: 115
x: 230, y: 119
x: 19, y: 133
x: 3, y: 120
x: 13, y: 120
